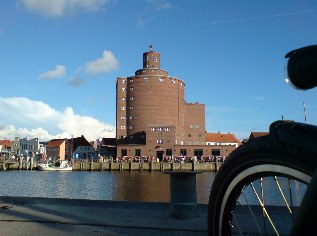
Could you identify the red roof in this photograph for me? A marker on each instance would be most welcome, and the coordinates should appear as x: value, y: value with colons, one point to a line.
x: 221, y: 138
x: 6, y: 143
x: 55, y: 143
x: 257, y: 134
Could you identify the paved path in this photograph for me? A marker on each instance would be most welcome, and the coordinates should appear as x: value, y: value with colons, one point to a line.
x: 36, y: 216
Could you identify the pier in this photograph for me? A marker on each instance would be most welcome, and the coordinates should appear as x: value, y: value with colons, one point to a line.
x: 121, y: 166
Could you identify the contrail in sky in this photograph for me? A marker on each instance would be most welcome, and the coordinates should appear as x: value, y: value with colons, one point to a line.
x: 260, y: 17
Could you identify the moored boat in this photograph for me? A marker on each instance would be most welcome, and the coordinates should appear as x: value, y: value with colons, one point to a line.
x: 60, y: 166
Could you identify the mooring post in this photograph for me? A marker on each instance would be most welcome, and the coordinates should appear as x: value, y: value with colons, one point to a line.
x: 183, y: 193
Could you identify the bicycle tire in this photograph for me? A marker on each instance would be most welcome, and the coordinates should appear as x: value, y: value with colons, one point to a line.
x: 258, y: 158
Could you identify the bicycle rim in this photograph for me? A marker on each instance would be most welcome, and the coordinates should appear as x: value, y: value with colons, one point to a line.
x: 262, y: 214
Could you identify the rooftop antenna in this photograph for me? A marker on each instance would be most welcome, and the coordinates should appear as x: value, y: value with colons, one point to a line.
x: 151, y: 48
x: 305, y: 116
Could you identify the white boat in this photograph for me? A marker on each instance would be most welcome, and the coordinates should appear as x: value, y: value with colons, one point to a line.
x: 60, y: 166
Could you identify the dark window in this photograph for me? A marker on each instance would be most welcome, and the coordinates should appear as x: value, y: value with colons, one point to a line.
x: 183, y: 152
x: 215, y: 152
x: 137, y: 152
x: 169, y: 152
x: 189, y: 135
x: 198, y: 152
x: 124, y: 152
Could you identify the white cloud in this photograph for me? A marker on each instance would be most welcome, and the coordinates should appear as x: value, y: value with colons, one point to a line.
x: 74, y: 81
x: 58, y: 72
x: 106, y: 63
x: 61, y: 7
x: 22, y: 117
x: 161, y: 5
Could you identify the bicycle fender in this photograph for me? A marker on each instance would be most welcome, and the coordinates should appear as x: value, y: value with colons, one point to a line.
x: 296, y: 133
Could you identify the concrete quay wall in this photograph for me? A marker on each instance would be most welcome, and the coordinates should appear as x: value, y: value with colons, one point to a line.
x: 123, y: 166
x: 150, y: 166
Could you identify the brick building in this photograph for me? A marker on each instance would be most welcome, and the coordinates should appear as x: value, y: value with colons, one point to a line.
x: 152, y: 116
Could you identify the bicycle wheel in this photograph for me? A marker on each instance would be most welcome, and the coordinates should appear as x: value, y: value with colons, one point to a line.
x: 259, y: 189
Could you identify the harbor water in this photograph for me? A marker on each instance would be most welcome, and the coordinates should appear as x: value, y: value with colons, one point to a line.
x: 140, y: 186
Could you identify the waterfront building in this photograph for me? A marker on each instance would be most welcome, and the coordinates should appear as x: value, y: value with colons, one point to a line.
x: 5, y: 148
x: 56, y: 149
x: 222, y: 139
x: 104, y: 147
x: 25, y: 147
x: 66, y: 149
x: 79, y: 148
x: 153, y: 118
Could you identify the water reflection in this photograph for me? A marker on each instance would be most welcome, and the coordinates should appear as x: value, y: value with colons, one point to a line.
x: 121, y: 186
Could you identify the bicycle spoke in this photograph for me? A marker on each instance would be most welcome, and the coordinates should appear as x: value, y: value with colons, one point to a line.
x: 237, y: 225
x: 264, y: 209
x: 281, y: 191
x: 252, y: 213
x: 290, y: 196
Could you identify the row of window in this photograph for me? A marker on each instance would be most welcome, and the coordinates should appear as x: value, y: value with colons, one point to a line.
x: 26, y: 147
x: 123, y: 127
x: 161, y: 129
x: 152, y: 58
x: 84, y: 148
x: 130, y: 89
x: 146, y: 80
x: 130, y: 108
x: 130, y: 98
x: 190, y: 135
x: 183, y: 152
x: 126, y: 117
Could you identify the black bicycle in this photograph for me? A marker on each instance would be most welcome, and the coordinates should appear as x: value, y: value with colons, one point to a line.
x: 268, y: 186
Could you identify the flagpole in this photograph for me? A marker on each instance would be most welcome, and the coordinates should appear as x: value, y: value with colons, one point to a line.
x: 305, y: 116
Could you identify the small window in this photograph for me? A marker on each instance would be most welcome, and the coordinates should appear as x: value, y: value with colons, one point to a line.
x: 215, y: 152
x: 124, y: 152
x: 123, y: 98
x: 198, y: 152
x: 123, y: 89
x: 161, y: 79
x: 122, y: 117
x: 131, y: 81
x: 167, y: 129
x: 123, y: 81
x: 130, y: 127
x: 131, y: 108
x: 146, y: 79
x: 169, y: 152
x: 183, y: 152
x: 123, y: 108
x: 138, y: 152
x: 159, y: 129
x: 122, y: 127
x: 131, y: 89
x: 152, y: 129
x: 131, y: 98
x: 189, y: 135
x: 159, y: 141
x: 130, y: 117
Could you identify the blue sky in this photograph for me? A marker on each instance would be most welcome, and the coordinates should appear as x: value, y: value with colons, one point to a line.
x: 59, y: 61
